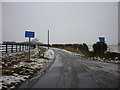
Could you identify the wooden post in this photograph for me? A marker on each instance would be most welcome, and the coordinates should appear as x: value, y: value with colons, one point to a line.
x: 6, y: 48
x: 16, y: 47
x: 27, y: 46
x: 11, y: 48
x: 20, y: 47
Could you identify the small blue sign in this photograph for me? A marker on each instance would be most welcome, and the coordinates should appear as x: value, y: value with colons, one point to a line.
x: 29, y: 34
x: 102, y: 39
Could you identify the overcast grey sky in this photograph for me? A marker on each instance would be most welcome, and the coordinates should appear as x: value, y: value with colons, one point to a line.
x: 68, y: 22
x: 0, y: 22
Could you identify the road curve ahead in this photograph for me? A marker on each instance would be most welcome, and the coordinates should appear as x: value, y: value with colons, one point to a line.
x: 69, y: 71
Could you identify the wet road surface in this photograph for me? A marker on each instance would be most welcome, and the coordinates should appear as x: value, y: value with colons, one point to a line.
x: 69, y: 71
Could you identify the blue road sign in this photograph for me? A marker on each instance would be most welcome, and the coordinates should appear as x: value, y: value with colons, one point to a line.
x: 102, y: 39
x: 29, y: 34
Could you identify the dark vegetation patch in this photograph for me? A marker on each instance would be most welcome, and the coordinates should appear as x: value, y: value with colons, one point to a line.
x: 10, y: 60
x: 99, y: 50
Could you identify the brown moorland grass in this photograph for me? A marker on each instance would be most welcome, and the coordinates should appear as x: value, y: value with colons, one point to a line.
x: 107, y: 55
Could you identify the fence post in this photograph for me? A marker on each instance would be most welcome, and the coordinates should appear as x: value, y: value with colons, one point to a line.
x: 16, y: 47
x: 27, y: 46
x: 22, y: 47
x: 6, y: 47
x: 19, y: 47
x: 11, y: 48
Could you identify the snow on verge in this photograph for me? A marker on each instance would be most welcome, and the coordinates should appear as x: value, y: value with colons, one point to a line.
x: 49, y: 54
x: 31, y: 67
x: 72, y: 53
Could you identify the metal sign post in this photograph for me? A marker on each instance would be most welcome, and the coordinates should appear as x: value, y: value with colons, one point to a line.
x: 102, y: 39
x: 48, y: 38
x: 29, y: 34
x: 29, y: 49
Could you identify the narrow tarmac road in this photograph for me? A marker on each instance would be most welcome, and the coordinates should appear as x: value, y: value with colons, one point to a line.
x: 69, y: 71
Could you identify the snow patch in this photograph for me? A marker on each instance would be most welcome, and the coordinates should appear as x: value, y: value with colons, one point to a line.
x: 49, y: 54
x: 35, y: 65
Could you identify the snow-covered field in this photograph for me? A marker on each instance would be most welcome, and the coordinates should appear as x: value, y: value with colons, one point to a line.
x: 25, y: 70
x: 111, y: 48
x: 91, y: 58
x: 72, y: 53
x: 114, y: 48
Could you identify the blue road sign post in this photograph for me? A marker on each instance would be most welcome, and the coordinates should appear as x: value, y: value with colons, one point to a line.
x: 101, y: 39
x: 29, y: 34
